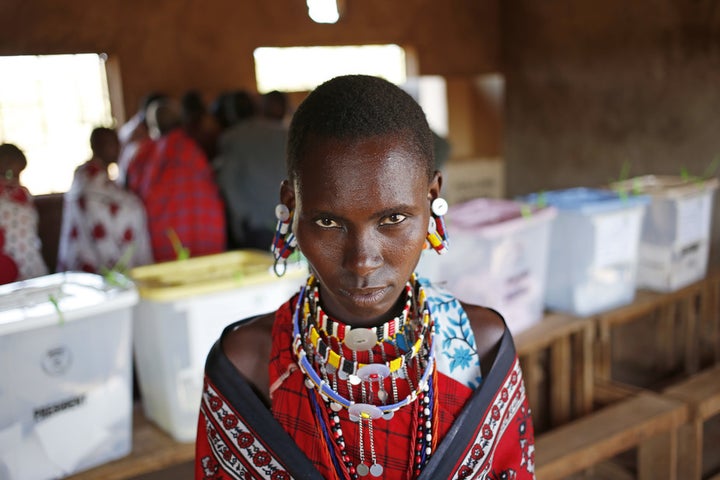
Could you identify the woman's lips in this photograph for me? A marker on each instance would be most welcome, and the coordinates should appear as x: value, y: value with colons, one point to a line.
x: 365, y: 296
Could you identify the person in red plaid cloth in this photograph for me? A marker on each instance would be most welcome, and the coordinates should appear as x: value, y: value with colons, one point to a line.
x: 368, y: 371
x: 172, y: 176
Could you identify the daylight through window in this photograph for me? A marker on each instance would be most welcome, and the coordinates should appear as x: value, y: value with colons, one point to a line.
x: 299, y: 69
x: 49, y: 104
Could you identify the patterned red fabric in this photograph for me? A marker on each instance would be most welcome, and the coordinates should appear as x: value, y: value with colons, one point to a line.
x: 102, y: 225
x: 492, y: 437
x: 20, y: 255
x: 504, y: 441
x: 173, y: 178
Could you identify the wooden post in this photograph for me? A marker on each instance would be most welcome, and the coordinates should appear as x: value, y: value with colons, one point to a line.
x: 692, y: 361
x: 560, y: 391
x: 657, y: 457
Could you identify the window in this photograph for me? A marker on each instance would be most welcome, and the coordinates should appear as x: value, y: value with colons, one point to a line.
x: 300, y: 69
x: 48, y: 106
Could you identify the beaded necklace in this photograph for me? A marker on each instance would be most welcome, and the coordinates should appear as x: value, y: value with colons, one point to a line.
x: 315, y: 333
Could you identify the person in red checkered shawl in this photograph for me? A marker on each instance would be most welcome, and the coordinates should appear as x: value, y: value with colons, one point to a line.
x: 172, y: 176
x: 368, y: 371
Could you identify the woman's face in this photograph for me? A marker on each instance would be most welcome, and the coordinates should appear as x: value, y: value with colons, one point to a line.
x: 361, y: 218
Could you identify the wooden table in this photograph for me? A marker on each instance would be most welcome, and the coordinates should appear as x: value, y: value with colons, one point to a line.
x: 152, y: 450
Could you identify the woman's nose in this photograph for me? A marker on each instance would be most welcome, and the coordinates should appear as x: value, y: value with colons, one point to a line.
x: 363, y: 252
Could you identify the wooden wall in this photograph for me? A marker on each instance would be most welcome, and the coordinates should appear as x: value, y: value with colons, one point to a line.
x: 173, y: 45
x: 592, y: 85
x: 588, y: 85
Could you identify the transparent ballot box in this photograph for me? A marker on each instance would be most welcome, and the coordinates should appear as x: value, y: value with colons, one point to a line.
x: 65, y: 374
x: 497, y: 257
x: 593, y: 249
x: 675, y: 238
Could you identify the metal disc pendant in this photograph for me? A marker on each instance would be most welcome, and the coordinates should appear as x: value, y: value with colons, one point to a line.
x: 309, y: 383
x: 364, y: 411
x: 335, y: 407
x: 382, y: 395
x: 373, y: 372
x: 362, y: 469
x: 342, y: 375
x: 360, y: 339
x: 354, y: 379
x: 376, y: 470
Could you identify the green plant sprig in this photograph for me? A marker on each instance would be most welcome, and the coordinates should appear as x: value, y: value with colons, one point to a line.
x: 181, y: 252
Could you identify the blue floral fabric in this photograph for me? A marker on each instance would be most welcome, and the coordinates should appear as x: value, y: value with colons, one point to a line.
x: 455, y: 349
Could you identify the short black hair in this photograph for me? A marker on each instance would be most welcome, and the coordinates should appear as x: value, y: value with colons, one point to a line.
x: 232, y: 107
x: 146, y: 101
x: 274, y: 104
x: 97, y: 136
x: 10, y: 153
x: 355, y: 107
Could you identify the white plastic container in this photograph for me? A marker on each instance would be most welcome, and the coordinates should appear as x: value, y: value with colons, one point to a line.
x: 593, y: 249
x: 675, y: 241
x: 65, y: 375
x: 497, y: 258
x: 183, y: 308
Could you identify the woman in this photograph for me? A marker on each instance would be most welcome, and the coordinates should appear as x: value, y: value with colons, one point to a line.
x: 103, y: 226
x: 372, y: 372
x: 20, y: 248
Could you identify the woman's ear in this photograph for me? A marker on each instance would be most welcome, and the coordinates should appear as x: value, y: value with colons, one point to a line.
x: 435, y: 186
x: 287, y: 195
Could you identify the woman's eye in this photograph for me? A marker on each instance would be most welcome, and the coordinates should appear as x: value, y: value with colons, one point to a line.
x: 393, y: 219
x: 327, y: 223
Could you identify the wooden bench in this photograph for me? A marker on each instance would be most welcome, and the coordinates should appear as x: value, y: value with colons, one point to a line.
x: 688, y: 324
x: 710, y: 315
x: 648, y: 421
x: 565, y: 344
x: 701, y: 392
x: 152, y: 450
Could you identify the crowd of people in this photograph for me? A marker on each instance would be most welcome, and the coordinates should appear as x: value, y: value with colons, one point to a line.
x: 191, y: 179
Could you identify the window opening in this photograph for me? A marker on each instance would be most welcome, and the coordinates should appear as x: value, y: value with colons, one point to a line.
x: 49, y: 104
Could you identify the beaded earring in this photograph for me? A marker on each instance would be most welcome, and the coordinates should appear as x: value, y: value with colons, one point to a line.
x: 284, y: 242
x: 437, y: 233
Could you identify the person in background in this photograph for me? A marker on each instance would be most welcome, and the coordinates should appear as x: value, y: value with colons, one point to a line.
x: 133, y: 134
x: 198, y: 123
x: 230, y: 108
x: 249, y: 167
x: 104, y: 226
x: 173, y: 178
x: 20, y: 247
x: 368, y: 370
x: 274, y: 105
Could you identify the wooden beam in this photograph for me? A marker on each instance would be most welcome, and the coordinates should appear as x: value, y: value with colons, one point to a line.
x: 601, y: 435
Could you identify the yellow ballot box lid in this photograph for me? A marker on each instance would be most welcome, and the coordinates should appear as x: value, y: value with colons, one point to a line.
x: 210, y: 273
